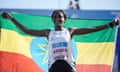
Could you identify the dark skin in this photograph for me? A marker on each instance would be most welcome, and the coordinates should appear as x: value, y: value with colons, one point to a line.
x: 58, y: 27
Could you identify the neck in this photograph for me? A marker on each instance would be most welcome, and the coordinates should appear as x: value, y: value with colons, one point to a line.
x: 58, y: 28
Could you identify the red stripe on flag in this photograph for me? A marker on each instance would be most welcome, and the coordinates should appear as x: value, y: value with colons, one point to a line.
x: 13, y: 62
x: 93, y: 68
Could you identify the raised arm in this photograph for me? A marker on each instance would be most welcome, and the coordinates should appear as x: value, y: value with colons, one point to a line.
x: 24, y: 29
x: 94, y: 29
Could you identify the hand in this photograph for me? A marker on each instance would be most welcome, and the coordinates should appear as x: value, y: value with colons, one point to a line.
x: 6, y: 15
x: 116, y: 21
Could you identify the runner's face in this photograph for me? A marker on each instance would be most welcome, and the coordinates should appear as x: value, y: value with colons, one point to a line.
x: 59, y: 19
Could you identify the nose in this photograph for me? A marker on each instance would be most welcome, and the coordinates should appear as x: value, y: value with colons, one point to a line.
x: 60, y: 19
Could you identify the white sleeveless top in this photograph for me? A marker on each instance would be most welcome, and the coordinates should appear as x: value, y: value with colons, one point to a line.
x: 60, y: 47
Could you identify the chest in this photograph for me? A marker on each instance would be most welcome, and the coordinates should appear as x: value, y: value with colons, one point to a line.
x: 59, y: 36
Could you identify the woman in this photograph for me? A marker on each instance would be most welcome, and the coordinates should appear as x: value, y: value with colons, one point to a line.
x: 59, y: 40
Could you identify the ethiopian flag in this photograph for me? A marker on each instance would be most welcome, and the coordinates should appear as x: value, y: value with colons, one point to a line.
x: 20, y: 52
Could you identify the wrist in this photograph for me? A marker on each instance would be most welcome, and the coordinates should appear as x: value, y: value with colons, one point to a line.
x: 110, y: 25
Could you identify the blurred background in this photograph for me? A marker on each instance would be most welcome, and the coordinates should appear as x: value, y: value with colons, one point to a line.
x: 61, y: 4
x: 85, y: 9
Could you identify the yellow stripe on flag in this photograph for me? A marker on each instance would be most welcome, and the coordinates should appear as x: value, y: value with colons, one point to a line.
x: 95, y: 53
x: 11, y: 41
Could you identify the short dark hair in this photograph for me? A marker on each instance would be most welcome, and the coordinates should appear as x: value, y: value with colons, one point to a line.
x: 57, y: 11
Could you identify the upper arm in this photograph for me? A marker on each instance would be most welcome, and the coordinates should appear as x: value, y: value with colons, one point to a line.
x: 38, y: 32
x: 79, y: 31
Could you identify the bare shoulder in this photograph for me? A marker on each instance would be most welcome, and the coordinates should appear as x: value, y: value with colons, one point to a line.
x: 45, y: 32
x: 71, y: 30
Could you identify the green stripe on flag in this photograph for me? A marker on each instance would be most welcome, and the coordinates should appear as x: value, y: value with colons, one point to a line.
x: 45, y: 22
